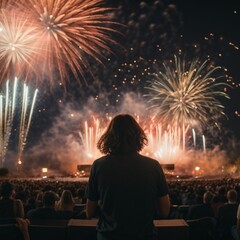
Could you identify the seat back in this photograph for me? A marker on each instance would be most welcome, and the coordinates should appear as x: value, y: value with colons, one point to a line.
x: 202, y: 228
x: 10, y: 232
x: 82, y: 229
x: 79, y: 207
x: 173, y: 214
x: 45, y: 232
x: 235, y: 233
x: 182, y: 211
x: 48, y: 229
x: 49, y: 222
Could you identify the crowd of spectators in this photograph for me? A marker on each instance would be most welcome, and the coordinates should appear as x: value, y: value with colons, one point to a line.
x: 217, y: 199
x: 42, y: 199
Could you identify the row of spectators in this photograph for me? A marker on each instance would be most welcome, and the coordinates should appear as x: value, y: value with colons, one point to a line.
x: 31, y: 199
x: 23, y: 198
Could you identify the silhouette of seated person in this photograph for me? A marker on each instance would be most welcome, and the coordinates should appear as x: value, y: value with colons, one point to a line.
x: 238, y: 217
x: 9, y: 206
x: 236, y: 228
x: 64, y: 206
x: 227, y: 216
x: 48, y: 210
x: 80, y: 198
x: 216, y: 204
x: 202, y: 210
x: 31, y: 204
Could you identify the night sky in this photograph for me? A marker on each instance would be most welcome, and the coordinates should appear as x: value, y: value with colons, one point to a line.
x: 151, y: 31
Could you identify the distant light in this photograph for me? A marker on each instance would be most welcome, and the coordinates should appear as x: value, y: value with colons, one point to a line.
x: 197, y: 168
x: 44, y: 170
x: 89, y: 155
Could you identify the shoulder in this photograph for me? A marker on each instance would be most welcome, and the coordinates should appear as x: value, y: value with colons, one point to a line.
x: 98, y: 164
x: 148, y: 159
x: 32, y: 212
x: 101, y: 161
x: 224, y: 208
x: 18, y: 202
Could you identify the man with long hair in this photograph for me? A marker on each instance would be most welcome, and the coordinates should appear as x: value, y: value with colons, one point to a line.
x: 129, y: 188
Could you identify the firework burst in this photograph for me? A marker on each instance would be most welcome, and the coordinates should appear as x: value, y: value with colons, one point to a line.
x: 70, y: 32
x: 184, y: 95
x: 17, y: 45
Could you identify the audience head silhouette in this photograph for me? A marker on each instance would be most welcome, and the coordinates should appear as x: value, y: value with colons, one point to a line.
x: 207, y: 197
x: 6, y: 189
x: 232, y: 196
x: 49, y: 199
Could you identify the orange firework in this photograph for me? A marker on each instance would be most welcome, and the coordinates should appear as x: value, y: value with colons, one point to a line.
x: 17, y: 45
x: 70, y: 32
x: 48, y: 39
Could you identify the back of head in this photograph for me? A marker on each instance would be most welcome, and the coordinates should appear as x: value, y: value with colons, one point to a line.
x: 80, y: 193
x: 49, y: 199
x: 66, y: 197
x: 207, y: 197
x: 232, y: 196
x: 123, y: 135
x: 6, y: 189
x: 216, y: 199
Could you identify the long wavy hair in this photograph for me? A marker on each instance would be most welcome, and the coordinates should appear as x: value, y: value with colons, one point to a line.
x: 66, y: 201
x: 123, y: 135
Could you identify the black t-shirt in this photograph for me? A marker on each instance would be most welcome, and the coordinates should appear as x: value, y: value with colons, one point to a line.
x: 127, y: 188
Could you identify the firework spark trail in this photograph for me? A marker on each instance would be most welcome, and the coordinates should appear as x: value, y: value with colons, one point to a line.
x: 164, y: 144
x: 25, y: 121
x: 89, y: 139
x: 6, y: 119
x: 7, y: 114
